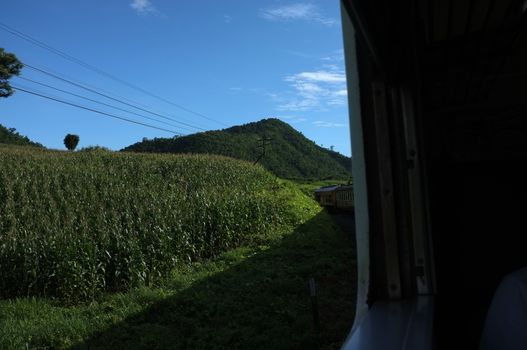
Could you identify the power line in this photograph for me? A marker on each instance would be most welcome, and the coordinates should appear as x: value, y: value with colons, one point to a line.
x: 101, y: 103
x: 264, y: 141
x: 107, y: 96
x: 94, y: 110
x: 218, y: 142
x: 137, y: 103
x: 70, y: 58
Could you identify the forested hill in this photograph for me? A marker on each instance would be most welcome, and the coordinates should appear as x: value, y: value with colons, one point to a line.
x: 288, y: 154
x: 11, y: 136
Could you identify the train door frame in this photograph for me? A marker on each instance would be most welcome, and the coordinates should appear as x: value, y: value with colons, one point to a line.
x: 360, y: 187
x: 394, y: 250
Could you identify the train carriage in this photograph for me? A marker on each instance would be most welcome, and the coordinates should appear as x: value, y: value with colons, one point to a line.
x: 344, y: 197
x: 326, y: 195
x: 335, y: 197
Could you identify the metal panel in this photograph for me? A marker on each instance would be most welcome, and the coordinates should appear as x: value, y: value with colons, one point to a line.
x: 420, y: 233
x: 362, y: 228
x: 403, y: 324
x: 389, y: 225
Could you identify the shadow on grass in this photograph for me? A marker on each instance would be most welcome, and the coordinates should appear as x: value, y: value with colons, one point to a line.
x: 259, y: 299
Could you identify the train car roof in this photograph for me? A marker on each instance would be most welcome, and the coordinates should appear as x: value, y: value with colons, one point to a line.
x: 326, y: 189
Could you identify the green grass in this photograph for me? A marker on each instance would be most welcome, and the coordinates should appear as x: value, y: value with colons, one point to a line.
x: 251, y: 293
x: 254, y: 297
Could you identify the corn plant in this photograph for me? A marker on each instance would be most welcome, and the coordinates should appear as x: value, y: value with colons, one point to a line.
x: 75, y: 225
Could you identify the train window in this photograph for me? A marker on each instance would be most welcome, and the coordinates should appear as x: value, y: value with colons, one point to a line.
x: 381, y: 115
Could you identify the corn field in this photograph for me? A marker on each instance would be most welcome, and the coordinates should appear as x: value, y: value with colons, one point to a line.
x: 75, y: 225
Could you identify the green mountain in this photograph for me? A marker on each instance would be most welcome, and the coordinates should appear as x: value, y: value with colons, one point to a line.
x: 12, y: 137
x: 288, y: 154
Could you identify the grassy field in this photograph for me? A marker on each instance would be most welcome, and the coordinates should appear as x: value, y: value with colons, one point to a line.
x: 75, y: 225
x: 249, y: 293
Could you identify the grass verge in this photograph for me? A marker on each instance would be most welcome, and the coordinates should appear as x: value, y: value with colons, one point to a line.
x: 253, y: 297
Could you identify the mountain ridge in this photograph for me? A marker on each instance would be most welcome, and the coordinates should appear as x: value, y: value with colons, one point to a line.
x: 289, y: 154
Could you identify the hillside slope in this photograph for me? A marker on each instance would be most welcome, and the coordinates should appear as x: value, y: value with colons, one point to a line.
x: 288, y: 155
x: 12, y: 137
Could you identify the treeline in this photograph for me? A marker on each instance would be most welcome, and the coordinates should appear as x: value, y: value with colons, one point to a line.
x: 12, y: 137
x: 288, y: 153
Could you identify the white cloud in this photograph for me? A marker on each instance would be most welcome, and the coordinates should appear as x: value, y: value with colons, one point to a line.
x: 319, y: 76
x: 300, y: 11
x: 227, y: 19
x: 299, y: 105
x: 338, y: 97
x: 335, y: 56
x: 292, y: 119
x: 143, y: 7
x: 301, y: 54
x: 314, y: 90
x: 324, y: 124
x: 308, y: 89
x: 289, y: 12
x: 332, y: 67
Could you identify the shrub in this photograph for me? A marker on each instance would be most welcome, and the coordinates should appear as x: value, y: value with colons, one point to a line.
x: 71, y: 141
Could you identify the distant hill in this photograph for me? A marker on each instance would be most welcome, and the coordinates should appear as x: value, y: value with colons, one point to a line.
x: 288, y: 155
x: 12, y: 137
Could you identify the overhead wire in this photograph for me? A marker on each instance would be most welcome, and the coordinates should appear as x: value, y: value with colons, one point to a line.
x: 56, y: 99
x: 101, y: 72
x: 107, y: 96
x: 17, y: 88
x: 101, y: 103
x: 73, y: 59
x: 123, y: 98
x: 39, y: 94
x: 120, y: 97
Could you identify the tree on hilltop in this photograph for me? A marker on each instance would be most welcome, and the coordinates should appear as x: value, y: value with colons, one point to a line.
x: 71, y: 141
x: 9, y: 66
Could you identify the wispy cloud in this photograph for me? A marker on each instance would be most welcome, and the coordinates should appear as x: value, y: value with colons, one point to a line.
x: 302, y: 54
x: 227, y: 19
x: 143, y: 7
x: 315, y: 90
x: 291, y: 119
x: 300, y: 11
x: 319, y: 77
x: 335, y: 56
x: 324, y: 124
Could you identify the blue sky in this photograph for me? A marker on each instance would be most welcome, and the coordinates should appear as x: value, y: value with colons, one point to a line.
x: 233, y: 61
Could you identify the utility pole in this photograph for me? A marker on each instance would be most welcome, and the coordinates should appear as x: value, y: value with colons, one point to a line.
x: 264, y: 140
